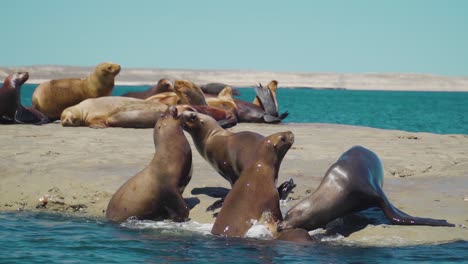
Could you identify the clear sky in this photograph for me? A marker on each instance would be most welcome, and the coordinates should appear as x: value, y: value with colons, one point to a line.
x: 419, y: 36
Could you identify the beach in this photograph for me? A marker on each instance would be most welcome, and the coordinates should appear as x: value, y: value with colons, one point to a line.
x: 249, y: 78
x: 76, y: 171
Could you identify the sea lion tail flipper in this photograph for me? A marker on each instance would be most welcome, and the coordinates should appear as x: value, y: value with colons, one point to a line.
x: 284, y: 115
x: 176, y: 207
x: 30, y: 116
x: 217, y: 204
x: 227, y: 123
x: 397, y: 217
x: 271, y: 119
x: 267, y: 100
x: 286, y: 188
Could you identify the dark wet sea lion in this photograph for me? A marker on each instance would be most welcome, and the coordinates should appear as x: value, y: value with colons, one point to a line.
x: 189, y: 93
x: 216, y: 88
x: 255, y: 192
x: 52, y: 97
x: 11, y: 109
x: 163, y: 85
x: 227, y: 152
x: 156, y: 192
x: 351, y: 184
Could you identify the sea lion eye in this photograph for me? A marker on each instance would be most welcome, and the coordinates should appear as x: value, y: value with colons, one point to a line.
x: 283, y: 138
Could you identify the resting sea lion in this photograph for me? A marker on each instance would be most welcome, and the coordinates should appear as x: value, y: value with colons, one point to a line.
x: 255, y: 193
x: 117, y: 111
x: 224, y: 100
x: 11, y: 109
x: 52, y: 97
x: 351, y: 184
x: 227, y: 152
x: 189, y: 93
x: 156, y: 191
x: 164, y: 85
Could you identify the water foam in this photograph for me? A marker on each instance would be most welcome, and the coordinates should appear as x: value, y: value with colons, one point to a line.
x: 190, y: 226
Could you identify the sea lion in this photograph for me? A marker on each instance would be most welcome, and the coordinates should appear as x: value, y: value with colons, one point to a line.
x: 156, y: 192
x: 227, y: 152
x: 118, y: 111
x: 11, y: 109
x: 9, y: 98
x: 52, y: 97
x: 216, y: 88
x: 189, y: 93
x: 351, y: 184
x: 255, y: 192
x: 163, y: 85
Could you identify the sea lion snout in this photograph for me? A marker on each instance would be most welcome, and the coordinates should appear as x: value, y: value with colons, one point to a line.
x: 19, y: 78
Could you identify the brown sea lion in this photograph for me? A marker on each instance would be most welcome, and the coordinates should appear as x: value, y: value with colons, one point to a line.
x: 117, y: 111
x: 255, y: 193
x: 9, y: 98
x: 163, y: 85
x: 351, y: 184
x: 189, y: 93
x: 227, y: 152
x: 156, y: 192
x: 11, y: 109
x: 52, y: 97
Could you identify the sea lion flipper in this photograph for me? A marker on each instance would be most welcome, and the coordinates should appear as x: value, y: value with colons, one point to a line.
x: 284, y: 115
x: 285, y: 188
x: 267, y: 100
x: 176, y: 207
x: 227, y: 123
x: 397, y: 217
x: 30, y: 116
x: 271, y: 119
x: 98, y: 123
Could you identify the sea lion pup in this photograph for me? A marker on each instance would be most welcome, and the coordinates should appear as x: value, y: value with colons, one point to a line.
x: 11, y: 109
x: 227, y: 152
x: 163, y: 85
x: 189, y: 93
x: 351, y: 184
x: 156, y: 191
x: 216, y: 88
x: 52, y: 97
x: 255, y: 193
x: 117, y: 111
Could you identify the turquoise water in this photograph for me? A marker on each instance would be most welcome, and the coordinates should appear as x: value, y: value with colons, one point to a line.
x: 436, y: 112
x: 48, y: 238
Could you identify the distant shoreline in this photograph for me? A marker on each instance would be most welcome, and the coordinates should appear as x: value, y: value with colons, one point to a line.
x: 248, y: 78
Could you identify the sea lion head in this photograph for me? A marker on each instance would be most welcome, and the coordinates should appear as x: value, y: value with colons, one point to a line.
x: 167, y: 124
x: 192, y: 121
x: 164, y: 85
x: 17, y: 79
x: 273, y: 85
x: 107, y: 69
x: 71, y: 117
x: 280, y: 143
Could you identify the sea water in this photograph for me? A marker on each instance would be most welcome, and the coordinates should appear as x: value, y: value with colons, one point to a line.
x: 27, y: 237
x: 435, y: 112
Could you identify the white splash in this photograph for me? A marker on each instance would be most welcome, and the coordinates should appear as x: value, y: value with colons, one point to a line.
x: 191, y: 226
x: 259, y: 231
